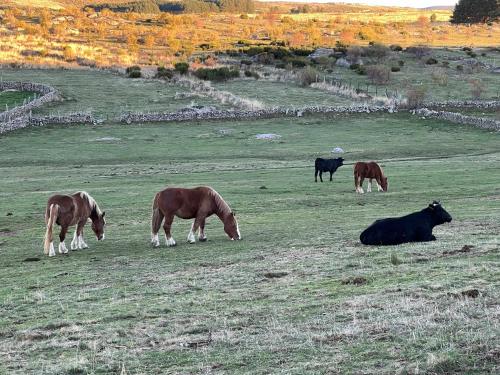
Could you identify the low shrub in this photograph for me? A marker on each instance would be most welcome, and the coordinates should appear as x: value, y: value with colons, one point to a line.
x: 472, y: 54
x: 307, y: 76
x: 401, y: 63
x: 379, y: 74
x: 217, y: 74
x: 416, y: 96
x: 298, y: 61
x: 431, y: 61
x: 466, y: 49
x: 460, y: 68
x: 354, y: 66
x: 164, y: 73
x: 395, y: 69
x: 361, y: 70
x: 133, y: 71
x: 181, y: 67
x: 246, y: 62
x: 445, y: 64
x: 396, y: 48
x: 249, y: 74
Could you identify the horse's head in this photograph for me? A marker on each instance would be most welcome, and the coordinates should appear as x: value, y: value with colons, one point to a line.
x: 384, y: 183
x: 98, y: 223
x: 231, y: 227
x: 439, y: 214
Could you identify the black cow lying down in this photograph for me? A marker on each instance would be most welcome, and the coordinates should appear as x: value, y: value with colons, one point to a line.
x: 415, y: 227
x: 326, y: 165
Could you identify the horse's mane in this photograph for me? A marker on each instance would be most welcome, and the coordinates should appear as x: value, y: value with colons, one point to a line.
x: 222, y: 207
x: 91, y: 201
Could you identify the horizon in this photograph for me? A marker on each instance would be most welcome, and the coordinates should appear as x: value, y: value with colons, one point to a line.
x: 395, y: 3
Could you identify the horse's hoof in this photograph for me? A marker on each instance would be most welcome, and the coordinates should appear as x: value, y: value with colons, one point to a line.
x: 204, y: 239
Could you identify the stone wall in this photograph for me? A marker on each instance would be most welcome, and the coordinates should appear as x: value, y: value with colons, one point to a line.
x: 239, y: 114
x: 27, y: 120
x: 47, y: 94
x: 458, y: 118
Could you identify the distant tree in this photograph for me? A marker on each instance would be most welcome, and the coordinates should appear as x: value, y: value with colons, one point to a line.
x: 475, y: 11
x: 433, y: 17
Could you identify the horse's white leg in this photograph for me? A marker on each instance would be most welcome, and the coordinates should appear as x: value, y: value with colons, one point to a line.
x: 379, y: 187
x: 81, y: 242
x: 62, y: 248
x: 191, y: 238
x: 170, y: 241
x: 369, y: 187
x: 155, y: 241
x: 74, y: 242
x: 52, y: 252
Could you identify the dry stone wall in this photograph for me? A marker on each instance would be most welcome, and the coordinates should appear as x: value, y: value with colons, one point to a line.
x: 458, y: 118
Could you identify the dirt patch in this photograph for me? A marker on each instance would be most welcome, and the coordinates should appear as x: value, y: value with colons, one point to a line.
x: 274, y: 275
x: 464, y: 249
x: 6, y: 232
x: 360, y: 280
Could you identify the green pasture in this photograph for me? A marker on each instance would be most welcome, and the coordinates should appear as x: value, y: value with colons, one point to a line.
x: 11, y: 99
x: 298, y: 295
x: 106, y: 94
x: 280, y: 94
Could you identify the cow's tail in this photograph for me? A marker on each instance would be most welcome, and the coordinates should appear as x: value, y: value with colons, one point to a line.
x: 50, y: 219
x: 157, y: 217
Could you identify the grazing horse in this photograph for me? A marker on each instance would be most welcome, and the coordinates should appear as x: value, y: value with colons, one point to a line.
x: 197, y: 203
x: 326, y: 165
x: 68, y: 210
x: 369, y: 170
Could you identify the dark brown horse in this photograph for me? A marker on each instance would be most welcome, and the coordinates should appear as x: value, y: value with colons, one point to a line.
x: 68, y: 210
x: 197, y: 204
x: 369, y: 170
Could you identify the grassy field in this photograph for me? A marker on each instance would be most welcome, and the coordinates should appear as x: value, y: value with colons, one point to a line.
x: 10, y: 99
x: 105, y: 93
x: 297, y: 295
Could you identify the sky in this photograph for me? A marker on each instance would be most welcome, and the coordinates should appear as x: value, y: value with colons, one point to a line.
x: 405, y: 3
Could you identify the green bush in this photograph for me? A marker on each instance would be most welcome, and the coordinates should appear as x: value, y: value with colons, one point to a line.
x: 361, y: 70
x: 249, y: 74
x: 246, y: 62
x: 401, y: 63
x: 217, y: 74
x: 297, y: 62
x: 395, y: 69
x: 133, y: 71
x: 165, y: 73
x: 396, y: 47
x: 135, y: 74
x: 307, y: 76
x: 354, y: 66
x: 471, y: 54
x: 181, y: 67
x: 431, y: 61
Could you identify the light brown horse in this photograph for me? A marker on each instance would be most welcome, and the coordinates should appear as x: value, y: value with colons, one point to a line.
x: 369, y: 170
x: 68, y: 210
x: 197, y: 204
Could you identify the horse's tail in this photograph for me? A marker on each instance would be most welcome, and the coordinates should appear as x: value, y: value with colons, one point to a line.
x: 50, y: 219
x: 157, y: 217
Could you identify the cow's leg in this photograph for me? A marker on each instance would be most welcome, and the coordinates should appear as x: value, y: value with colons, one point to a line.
x: 202, y: 237
x: 316, y: 175
x: 62, y: 236
x: 321, y: 175
x: 369, y: 187
x: 79, y: 233
x: 167, y: 225
x: 331, y: 174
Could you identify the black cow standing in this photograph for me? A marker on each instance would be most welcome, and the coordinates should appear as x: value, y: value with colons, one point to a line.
x: 415, y: 227
x: 326, y: 165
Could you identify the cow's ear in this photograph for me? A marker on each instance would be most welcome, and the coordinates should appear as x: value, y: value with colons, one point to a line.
x: 431, y: 206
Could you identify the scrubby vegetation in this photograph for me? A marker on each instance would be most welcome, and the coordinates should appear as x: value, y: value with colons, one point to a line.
x: 217, y: 74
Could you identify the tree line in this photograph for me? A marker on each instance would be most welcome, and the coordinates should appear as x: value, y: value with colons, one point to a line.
x: 476, y: 11
x: 186, y: 6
